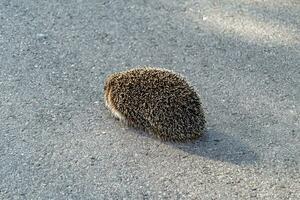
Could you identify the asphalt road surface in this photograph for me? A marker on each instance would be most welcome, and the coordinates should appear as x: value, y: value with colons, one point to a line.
x: 58, y: 141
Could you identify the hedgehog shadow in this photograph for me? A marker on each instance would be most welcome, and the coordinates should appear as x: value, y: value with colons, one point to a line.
x: 221, y: 147
x: 213, y: 145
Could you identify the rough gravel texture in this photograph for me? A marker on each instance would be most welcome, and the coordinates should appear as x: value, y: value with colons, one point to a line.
x: 58, y: 141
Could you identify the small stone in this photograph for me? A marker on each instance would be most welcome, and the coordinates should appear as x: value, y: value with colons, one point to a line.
x: 41, y: 36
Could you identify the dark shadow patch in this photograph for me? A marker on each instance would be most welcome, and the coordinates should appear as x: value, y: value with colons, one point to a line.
x: 213, y: 145
x: 217, y: 146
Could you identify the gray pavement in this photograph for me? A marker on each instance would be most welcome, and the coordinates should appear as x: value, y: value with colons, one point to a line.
x: 57, y: 140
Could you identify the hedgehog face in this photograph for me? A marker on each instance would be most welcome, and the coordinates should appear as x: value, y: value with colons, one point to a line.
x: 109, y: 101
x: 109, y: 83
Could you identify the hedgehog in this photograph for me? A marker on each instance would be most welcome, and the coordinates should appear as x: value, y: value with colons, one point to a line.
x: 155, y: 100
